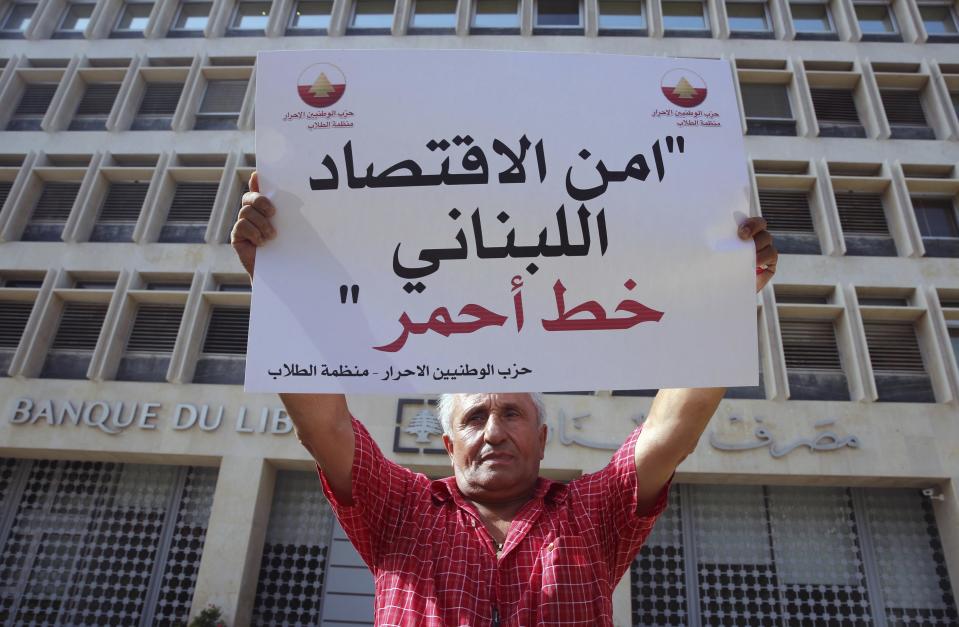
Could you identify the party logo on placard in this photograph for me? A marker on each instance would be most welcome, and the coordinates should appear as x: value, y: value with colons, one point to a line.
x: 683, y: 87
x: 321, y: 85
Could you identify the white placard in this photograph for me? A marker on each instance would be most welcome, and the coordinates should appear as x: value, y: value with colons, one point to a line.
x: 496, y: 221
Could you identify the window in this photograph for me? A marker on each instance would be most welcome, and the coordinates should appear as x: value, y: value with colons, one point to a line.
x: 905, y: 114
x: 223, y: 357
x: 51, y: 212
x: 812, y: 21
x: 221, y: 105
x: 938, y: 224
x: 813, y: 365
x: 496, y: 15
x: 940, y: 21
x: 157, y: 107
x: 5, y: 187
x: 685, y: 18
x: 13, y: 320
x: 748, y: 18
x: 876, y: 22
x: 33, y: 106
x: 189, y: 213
x: 119, y: 212
x: 789, y: 219
x: 863, y: 222
x: 76, y: 339
x: 836, y: 113
x: 767, y: 109
x: 434, y: 15
x: 151, y: 342
x: 372, y: 15
x: 133, y: 19
x: 311, y: 16
x: 75, y: 19
x: 95, y: 107
x: 191, y: 19
x: 249, y: 18
x: 897, y: 362
x: 621, y: 15
x: 558, y: 14
x: 16, y: 19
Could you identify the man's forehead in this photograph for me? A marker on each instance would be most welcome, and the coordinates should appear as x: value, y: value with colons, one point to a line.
x: 465, y: 402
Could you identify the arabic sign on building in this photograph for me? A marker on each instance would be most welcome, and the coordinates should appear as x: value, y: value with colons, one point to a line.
x: 456, y: 221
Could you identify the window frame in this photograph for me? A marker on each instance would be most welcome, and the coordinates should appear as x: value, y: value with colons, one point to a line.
x: 309, y: 30
x: 442, y: 29
x: 767, y: 18
x: 176, y: 31
x: 233, y: 29
x: 706, y: 30
x: 127, y: 32
x: 371, y: 30
x: 10, y: 10
x: 61, y: 32
x: 833, y: 28
x: 628, y: 30
x: 474, y: 28
x: 951, y: 12
x: 578, y: 27
x: 896, y: 30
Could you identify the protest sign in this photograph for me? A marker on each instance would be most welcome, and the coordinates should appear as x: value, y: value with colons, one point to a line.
x: 496, y: 221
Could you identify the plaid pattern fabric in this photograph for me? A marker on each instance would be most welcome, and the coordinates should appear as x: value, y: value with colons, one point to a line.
x: 435, y: 564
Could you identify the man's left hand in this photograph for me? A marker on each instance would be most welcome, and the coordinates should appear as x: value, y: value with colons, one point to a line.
x: 766, y: 253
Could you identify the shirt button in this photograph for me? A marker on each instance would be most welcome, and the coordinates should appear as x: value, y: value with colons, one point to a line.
x: 549, y: 547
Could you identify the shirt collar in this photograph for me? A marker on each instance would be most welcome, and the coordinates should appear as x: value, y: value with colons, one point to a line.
x: 446, y: 490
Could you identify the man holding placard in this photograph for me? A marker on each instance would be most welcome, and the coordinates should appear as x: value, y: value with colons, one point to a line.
x: 495, y: 544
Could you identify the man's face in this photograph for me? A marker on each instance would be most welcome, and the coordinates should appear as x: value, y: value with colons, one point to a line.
x: 496, y: 445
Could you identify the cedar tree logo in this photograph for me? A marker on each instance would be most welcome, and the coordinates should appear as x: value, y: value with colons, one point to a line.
x: 683, y: 87
x: 321, y: 85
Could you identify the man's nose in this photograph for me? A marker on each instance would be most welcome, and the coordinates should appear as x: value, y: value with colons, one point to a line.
x: 495, y: 431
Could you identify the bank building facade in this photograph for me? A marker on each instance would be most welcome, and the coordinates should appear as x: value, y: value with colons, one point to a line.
x: 139, y: 483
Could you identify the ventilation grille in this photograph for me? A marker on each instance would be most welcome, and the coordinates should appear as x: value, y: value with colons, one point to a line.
x: 893, y: 347
x: 5, y: 187
x: 36, y: 100
x: 861, y: 213
x: 835, y: 105
x: 903, y: 107
x: 223, y: 97
x: 123, y: 202
x: 810, y: 345
x: 98, y: 99
x: 227, y: 332
x: 155, y: 328
x: 80, y: 326
x: 192, y: 202
x: 13, y: 320
x: 55, y: 202
x: 160, y: 99
x: 786, y: 210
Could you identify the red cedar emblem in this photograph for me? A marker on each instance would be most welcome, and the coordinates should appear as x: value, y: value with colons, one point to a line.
x: 683, y: 87
x: 321, y: 85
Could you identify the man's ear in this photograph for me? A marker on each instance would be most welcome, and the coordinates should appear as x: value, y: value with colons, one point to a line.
x: 448, y: 445
x: 543, y: 435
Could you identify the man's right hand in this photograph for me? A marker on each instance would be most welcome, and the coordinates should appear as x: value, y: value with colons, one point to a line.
x: 322, y: 421
x: 253, y: 227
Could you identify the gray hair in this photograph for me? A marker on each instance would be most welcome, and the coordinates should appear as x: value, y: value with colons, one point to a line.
x: 446, y: 405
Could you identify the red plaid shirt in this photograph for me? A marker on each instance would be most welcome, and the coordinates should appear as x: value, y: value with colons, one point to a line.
x: 435, y: 564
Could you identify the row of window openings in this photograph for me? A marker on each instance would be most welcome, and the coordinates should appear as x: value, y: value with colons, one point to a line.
x: 862, y: 217
x: 813, y: 362
x: 766, y: 107
x: 682, y: 16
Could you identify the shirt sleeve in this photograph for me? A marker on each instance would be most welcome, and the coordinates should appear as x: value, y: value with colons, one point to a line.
x: 379, y: 489
x: 607, y: 500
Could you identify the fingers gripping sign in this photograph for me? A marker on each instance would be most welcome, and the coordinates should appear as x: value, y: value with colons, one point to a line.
x: 253, y: 227
x: 766, y: 254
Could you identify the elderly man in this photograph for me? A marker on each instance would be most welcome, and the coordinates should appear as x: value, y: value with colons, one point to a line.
x: 495, y: 544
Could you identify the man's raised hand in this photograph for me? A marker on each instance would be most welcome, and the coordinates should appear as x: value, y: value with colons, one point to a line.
x: 766, y: 253
x: 252, y: 226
